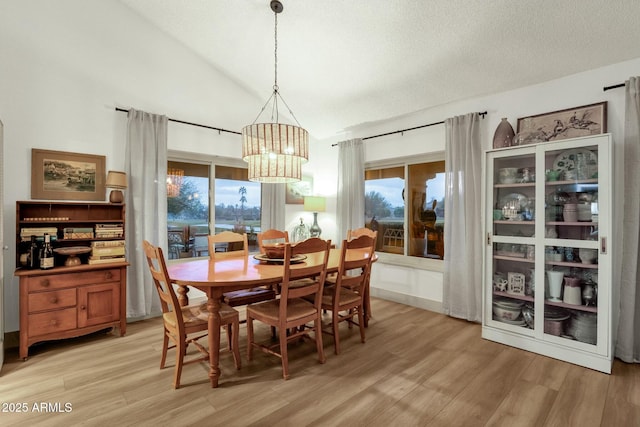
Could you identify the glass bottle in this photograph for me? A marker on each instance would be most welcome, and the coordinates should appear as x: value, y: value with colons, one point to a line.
x: 46, y: 254
x: 33, y: 256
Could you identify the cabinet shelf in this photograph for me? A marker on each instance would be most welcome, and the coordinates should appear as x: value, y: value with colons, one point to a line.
x: 512, y: 222
x: 515, y: 259
x: 579, y: 181
x: 588, y: 308
x: 516, y: 185
x: 571, y: 264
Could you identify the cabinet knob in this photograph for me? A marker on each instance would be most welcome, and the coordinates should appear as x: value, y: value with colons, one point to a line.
x: 108, y: 275
x: 82, y: 307
x: 54, y: 300
x: 44, y: 283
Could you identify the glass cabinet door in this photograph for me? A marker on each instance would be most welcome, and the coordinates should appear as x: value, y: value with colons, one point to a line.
x: 571, y: 229
x: 512, y: 201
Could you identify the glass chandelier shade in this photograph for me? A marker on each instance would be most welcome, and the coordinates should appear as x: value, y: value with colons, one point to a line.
x: 275, y: 152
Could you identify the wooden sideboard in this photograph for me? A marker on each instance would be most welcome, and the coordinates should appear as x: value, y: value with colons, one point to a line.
x: 70, y: 300
x: 66, y: 302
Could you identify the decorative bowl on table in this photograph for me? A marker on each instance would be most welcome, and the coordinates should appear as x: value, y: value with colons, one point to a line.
x: 274, y: 250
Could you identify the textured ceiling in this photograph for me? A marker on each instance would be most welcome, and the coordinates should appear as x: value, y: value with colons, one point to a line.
x: 343, y: 63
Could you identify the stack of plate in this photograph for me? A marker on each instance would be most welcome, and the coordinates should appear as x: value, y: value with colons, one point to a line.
x: 583, y: 327
x: 554, y: 320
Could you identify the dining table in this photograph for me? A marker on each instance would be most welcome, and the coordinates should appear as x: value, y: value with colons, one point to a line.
x: 217, y: 275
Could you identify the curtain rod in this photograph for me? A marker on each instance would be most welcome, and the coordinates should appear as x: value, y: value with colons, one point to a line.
x: 191, y: 124
x: 484, y: 113
x: 606, y: 88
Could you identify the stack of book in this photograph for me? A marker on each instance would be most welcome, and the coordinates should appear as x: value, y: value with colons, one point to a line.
x: 39, y: 232
x: 106, y: 252
x: 78, y: 233
x: 109, y: 230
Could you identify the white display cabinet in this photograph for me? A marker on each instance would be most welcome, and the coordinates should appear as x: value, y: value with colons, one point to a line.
x: 547, y: 285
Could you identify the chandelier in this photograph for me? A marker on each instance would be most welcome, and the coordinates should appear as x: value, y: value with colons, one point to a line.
x: 275, y: 151
x: 174, y: 181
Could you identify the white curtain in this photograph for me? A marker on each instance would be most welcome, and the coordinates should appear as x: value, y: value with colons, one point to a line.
x: 146, y: 209
x: 350, y: 199
x: 273, y: 213
x: 628, y: 342
x: 462, y: 218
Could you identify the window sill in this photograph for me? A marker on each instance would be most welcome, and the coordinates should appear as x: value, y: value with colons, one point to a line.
x: 412, y: 262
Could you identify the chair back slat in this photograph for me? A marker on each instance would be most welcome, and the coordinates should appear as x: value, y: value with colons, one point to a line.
x: 313, y: 247
x: 237, y: 244
x: 355, y: 262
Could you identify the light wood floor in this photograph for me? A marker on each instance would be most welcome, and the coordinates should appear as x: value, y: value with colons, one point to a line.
x: 416, y: 368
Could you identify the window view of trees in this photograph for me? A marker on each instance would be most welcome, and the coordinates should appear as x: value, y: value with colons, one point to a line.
x: 390, y: 200
x: 236, y: 203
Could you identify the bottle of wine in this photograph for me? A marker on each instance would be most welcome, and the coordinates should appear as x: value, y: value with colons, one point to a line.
x: 46, y: 254
x: 33, y: 256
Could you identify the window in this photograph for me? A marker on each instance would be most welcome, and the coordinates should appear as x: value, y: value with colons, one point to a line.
x: 405, y: 204
x: 190, y: 218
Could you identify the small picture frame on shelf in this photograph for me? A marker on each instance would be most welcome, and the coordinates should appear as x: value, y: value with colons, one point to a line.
x: 515, y: 283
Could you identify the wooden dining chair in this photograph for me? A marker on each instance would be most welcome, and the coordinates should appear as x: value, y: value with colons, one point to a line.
x: 238, y: 246
x: 272, y: 236
x: 346, y: 298
x: 363, y: 231
x: 291, y: 314
x: 187, y: 324
x: 331, y: 280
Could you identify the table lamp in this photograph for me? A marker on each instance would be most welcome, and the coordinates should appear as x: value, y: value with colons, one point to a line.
x: 117, y: 181
x: 314, y: 204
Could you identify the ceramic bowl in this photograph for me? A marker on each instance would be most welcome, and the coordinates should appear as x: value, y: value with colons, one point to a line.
x: 507, y: 175
x: 503, y: 312
x: 588, y: 256
x: 274, y: 250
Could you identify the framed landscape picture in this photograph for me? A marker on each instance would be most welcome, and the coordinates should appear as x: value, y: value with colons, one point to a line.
x: 60, y: 175
x: 564, y: 124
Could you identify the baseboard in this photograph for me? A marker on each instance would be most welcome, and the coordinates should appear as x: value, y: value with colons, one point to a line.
x: 413, y: 301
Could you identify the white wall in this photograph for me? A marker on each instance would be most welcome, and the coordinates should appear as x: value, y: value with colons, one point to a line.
x: 424, y: 288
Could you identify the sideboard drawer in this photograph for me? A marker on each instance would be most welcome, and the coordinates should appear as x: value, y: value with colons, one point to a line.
x: 58, y: 281
x: 52, y: 321
x: 40, y: 301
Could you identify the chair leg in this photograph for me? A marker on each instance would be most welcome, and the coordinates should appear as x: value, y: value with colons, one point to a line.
x: 318, y: 332
x: 165, y: 347
x: 249, y: 337
x: 284, y: 356
x: 233, y: 342
x: 229, y: 336
x: 181, y: 347
x: 335, y: 323
x: 361, y: 317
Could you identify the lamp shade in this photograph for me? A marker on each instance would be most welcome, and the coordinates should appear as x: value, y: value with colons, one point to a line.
x: 275, y: 151
x: 314, y: 204
x: 116, y: 179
